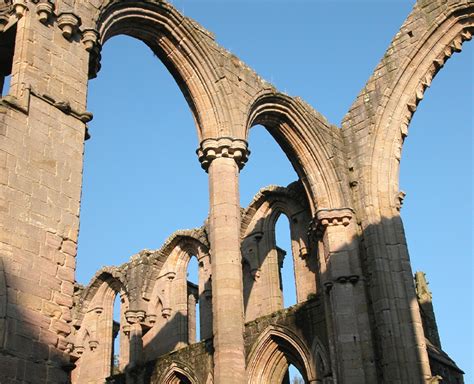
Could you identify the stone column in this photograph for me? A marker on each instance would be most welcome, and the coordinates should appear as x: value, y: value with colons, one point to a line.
x: 342, y: 278
x: 222, y: 158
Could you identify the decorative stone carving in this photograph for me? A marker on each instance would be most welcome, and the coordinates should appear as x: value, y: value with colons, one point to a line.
x: 19, y: 7
x: 211, y: 149
x: 135, y: 316
x: 90, y: 38
x: 329, y: 217
x: 68, y: 23
x: 399, y: 200
x: 44, y: 10
x: 332, y: 217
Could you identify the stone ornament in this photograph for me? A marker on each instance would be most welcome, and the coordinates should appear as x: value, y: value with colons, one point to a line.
x: 20, y: 8
x: 333, y: 217
x: 135, y: 317
x: 44, y: 10
x: 90, y: 38
x: 211, y: 149
x: 68, y: 23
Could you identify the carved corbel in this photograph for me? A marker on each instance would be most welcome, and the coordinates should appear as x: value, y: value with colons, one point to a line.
x: 68, y: 23
x: 90, y: 38
x: 78, y: 351
x: 329, y: 218
x: 93, y: 344
x: 20, y: 8
x: 255, y: 273
x: 135, y: 316
x: 44, y: 10
x: 399, y: 200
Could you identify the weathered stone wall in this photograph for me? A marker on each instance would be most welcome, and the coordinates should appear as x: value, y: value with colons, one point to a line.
x: 354, y: 257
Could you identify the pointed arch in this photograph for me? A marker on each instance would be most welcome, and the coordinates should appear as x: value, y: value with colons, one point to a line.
x: 261, y: 255
x: 445, y: 36
x: 93, y: 340
x: 311, y: 143
x: 271, y: 354
x: 178, y: 373
x: 183, y: 46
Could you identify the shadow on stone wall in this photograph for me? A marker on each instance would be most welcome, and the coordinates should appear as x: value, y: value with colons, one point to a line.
x: 31, y: 346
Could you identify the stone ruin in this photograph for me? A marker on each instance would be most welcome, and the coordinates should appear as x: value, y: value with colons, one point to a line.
x: 359, y: 317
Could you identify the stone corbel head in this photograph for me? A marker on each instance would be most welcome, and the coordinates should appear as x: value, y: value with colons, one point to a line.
x: 90, y: 38
x: 44, y: 9
x: 68, y: 23
x: 20, y: 8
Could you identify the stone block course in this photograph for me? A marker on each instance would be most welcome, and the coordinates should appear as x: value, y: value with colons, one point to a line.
x: 357, y: 318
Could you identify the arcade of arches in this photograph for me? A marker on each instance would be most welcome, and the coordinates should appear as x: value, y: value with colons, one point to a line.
x: 359, y: 316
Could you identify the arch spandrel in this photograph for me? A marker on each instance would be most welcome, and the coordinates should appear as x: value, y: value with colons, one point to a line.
x: 428, y: 38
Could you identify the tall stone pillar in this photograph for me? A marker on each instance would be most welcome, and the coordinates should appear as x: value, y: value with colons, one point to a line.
x: 222, y: 158
x: 345, y: 297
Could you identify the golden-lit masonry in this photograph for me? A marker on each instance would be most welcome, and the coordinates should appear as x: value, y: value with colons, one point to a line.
x: 359, y: 319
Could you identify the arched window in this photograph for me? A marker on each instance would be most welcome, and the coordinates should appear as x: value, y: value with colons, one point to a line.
x: 126, y: 191
x: 193, y: 301
x: 293, y: 376
x: 285, y: 262
x: 277, y: 259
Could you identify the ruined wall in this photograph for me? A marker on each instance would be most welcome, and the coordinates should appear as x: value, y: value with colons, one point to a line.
x: 353, y: 255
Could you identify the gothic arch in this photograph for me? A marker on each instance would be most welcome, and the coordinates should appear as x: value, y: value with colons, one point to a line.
x: 435, y: 47
x: 92, y: 344
x: 110, y: 276
x: 167, y: 292
x: 178, y: 373
x: 304, y: 134
x: 263, y: 292
x: 271, y: 354
x: 183, y: 46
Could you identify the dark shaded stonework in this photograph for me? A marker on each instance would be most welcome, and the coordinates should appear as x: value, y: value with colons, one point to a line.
x: 359, y: 318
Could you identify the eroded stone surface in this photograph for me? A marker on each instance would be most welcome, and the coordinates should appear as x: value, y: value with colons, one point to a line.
x: 358, y: 319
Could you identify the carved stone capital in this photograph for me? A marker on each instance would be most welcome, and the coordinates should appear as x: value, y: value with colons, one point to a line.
x: 211, y: 149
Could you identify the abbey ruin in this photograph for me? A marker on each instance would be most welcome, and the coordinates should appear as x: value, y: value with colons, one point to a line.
x: 361, y: 317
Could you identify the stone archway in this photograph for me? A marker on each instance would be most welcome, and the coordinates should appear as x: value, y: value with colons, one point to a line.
x: 275, y: 349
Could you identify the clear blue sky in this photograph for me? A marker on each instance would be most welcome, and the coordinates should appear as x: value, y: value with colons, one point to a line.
x: 142, y: 180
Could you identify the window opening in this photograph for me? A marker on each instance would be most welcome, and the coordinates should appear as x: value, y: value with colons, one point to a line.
x: 116, y: 335
x: 285, y: 261
x: 293, y: 376
x: 7, y: 50
x: 267, y: 165
x: 193, y: 301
